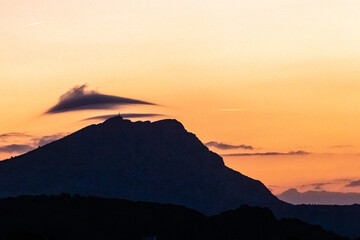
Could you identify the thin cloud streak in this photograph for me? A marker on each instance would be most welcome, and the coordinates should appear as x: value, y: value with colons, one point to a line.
x: 354, y: 184
x: 33, y: 143
x: 232, y: 109
x: 16, y: 148
x: 300, y: 152
x: 34, y: 23
x: 342, y: 146
x: 6, y: 136
x: 41, y: 141
x: 319, y: 185
x: 225, y: 146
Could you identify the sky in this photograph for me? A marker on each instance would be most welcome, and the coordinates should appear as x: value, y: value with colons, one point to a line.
x: 279, y: 76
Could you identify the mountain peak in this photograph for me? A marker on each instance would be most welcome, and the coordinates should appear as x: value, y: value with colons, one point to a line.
x: 115, y: 118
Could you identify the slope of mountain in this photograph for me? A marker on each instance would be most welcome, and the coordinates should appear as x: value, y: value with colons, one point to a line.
x: 319, y: 197
x: 66, y: 217
x: 155, y: 162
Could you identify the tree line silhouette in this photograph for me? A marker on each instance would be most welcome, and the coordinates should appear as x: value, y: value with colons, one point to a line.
x: 74, y: 217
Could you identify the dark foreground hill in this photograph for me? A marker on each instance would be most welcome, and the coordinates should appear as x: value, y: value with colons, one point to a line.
x: 154, y: 162
x: 66, y: 217
x: 344, y: 220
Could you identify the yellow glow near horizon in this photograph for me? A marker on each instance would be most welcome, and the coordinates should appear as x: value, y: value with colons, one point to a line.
x: 291, y: 67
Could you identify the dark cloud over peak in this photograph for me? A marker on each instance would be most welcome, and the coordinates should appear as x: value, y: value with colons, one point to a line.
x: 225, y: 146
x: 300, y: 152
x: 79, y: 98
x: 124, y: 115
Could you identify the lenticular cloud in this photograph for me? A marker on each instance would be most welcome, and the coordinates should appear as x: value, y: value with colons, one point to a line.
x: 79, y: 98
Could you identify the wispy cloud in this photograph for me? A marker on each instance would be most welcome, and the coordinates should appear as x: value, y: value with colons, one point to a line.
x: 16, y: 148
x: 225, y: 146
x: 28, y: 144
x: 317, y: 185
x: 79, y: 98
x: 342, y: 146
x: 354, y: 184
x: 10, y: 135
x: 41, y: 141
x: 300, y: 152
x: 232, y: 109
x: 34, y: 23
x: 320, y: 185
x: 124, y: 115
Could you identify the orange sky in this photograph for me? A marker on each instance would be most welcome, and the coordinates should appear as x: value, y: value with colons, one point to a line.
x: 288, y: 70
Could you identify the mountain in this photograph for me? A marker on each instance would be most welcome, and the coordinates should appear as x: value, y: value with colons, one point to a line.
x: 155, y: 162
x: 319, y: 197
x: 66, y: 217
x: 260, y: 223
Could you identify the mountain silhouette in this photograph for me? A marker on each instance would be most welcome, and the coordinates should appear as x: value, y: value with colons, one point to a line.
x: 293, y: 196
x: 154, y: 162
